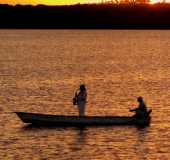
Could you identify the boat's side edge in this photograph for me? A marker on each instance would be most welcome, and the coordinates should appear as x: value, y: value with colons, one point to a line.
x: 32, y: 118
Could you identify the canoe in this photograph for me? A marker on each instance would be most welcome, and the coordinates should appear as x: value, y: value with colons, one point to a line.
x: 56, y: 120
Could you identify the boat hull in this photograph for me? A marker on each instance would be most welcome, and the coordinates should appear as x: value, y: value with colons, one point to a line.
x: 54, y: 120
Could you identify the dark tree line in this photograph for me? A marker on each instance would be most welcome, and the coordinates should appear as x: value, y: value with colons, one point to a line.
x: 86, y: 16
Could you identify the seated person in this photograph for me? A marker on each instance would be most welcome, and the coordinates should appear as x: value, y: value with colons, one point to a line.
x: 141, y: 110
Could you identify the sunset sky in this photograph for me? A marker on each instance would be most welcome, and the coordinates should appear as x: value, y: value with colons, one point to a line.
x: 47, y: 2
x: 59, y: 2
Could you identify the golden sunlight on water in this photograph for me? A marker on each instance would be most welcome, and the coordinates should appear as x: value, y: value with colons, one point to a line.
x: 41, y: 69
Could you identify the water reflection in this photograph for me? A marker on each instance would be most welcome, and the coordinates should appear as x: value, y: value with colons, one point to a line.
x: 80, y: 138
x: 65, y: 141
x: 80, y: 142
x: 141, y: 147
x: 80, y: 132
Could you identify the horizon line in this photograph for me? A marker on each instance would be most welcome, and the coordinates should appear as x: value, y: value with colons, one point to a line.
x: 101, y: 3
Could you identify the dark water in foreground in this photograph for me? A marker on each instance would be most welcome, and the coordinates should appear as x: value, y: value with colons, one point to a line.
x: 40, y: 70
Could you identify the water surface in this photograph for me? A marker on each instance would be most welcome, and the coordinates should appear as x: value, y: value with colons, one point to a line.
x: 41, y: 69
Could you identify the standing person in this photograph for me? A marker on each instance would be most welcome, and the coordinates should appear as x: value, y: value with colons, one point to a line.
x: 141, y: 110
x: 81, y: 97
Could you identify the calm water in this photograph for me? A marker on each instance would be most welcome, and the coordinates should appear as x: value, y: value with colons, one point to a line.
x: 41, y: 69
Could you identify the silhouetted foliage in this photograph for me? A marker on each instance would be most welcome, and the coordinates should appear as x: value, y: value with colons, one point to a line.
x: 86, y: 16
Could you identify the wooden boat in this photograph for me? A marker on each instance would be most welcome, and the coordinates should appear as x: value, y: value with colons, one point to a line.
x: 55, y: 120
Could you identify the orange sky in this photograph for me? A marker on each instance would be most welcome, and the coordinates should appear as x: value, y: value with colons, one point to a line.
x: 58, y: 2
x: 48, y: 2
